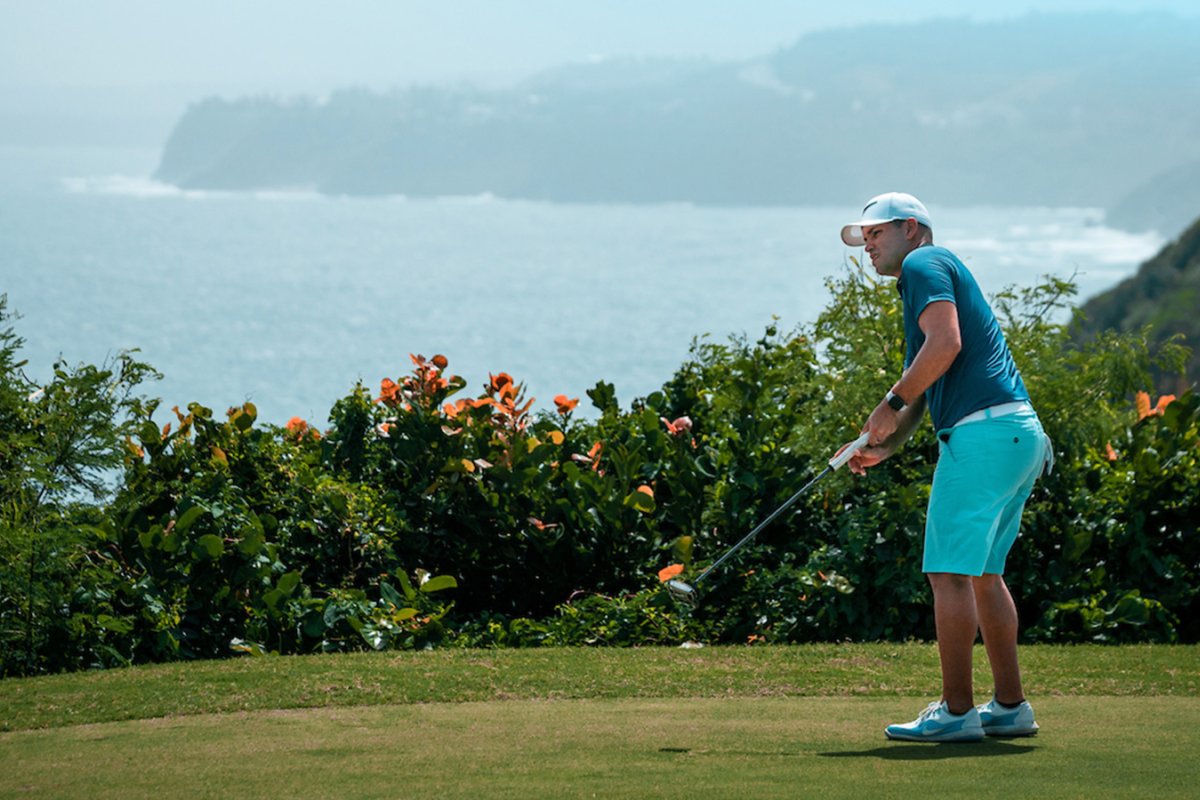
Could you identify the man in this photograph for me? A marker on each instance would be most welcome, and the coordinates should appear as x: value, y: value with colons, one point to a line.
x: 991, y: 450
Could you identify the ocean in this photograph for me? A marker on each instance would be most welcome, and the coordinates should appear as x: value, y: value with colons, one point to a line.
x: 287, y: 299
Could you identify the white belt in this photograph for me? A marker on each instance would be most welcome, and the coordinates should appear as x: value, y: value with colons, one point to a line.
x: 991, y: 412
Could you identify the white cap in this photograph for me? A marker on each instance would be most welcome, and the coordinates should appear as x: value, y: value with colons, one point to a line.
x: 885, y: 208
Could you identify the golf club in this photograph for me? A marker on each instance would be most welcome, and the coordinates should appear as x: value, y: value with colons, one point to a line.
x: 685, y: 594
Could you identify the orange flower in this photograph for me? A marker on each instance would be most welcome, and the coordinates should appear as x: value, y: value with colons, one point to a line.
x: 454, y: 409
x: 679, y: 427
x: 499, y: 382
x: 666, y: 573
x: 1143, y: 405
x: 594, y: 455
x: 297, y: 429
x: 440, y: 361
x: 389, y: 392
x: 1112, y: 454
x: 565, y: 406
x: 646, y: 490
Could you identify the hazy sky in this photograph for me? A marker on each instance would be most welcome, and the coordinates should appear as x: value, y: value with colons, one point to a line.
x: 303, y: 45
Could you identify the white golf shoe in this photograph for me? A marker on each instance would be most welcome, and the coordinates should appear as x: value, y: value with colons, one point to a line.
x: 1000, y: 721
x: 937, y: 724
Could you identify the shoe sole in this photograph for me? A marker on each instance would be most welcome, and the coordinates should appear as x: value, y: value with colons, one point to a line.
x: 948, y: 739
x: 1011, y: 734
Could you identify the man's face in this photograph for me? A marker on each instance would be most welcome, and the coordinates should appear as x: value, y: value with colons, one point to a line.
x: 887, y: 245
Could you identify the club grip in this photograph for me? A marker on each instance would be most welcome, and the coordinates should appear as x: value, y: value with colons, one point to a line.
x: 838, y: 461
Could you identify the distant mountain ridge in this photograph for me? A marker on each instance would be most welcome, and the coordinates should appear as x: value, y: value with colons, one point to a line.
x: 1165, y: 295
x: 1168, y: 203
x: 1049, y: 109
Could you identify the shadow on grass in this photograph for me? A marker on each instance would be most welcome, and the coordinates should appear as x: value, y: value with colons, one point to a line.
x: 705, y: 751
x: 916, y: 751
x: 898, y: 751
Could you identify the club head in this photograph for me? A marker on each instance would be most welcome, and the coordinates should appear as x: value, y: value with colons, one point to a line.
x: 683, y: 594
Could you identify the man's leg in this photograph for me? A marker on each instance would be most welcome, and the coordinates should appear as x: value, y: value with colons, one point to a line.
x: 998, y: 623
x: 957, y: 623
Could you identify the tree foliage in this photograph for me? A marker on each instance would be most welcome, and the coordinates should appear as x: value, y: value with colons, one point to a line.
x: 427, y: 515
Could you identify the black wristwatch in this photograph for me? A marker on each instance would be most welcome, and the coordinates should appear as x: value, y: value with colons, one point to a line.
x: 895, y: 401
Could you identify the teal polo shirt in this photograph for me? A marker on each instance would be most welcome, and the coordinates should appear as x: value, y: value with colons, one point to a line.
x: 984, y: 373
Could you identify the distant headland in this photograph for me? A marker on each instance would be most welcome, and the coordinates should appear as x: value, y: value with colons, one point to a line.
x: 1096, y: 110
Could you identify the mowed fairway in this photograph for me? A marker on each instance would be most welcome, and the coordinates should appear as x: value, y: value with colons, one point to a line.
x: 826, y: 743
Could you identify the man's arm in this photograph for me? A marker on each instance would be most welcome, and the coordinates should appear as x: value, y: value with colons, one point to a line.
x: 889, y: 428
x: 907, y: 420
x: 943, y: 341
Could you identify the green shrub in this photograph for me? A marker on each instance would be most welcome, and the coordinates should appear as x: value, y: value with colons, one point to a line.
x: 425, y: 517
x: 59, y: 447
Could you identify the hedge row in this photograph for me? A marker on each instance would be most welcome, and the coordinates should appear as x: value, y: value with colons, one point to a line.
x: 424, y: 515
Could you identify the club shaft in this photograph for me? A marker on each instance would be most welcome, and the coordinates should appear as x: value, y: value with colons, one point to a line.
x: 762, y: 525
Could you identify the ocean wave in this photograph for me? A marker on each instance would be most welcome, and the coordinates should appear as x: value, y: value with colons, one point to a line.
x: 128, y: 186
x: 1097, y: 244
x: 142, y: 187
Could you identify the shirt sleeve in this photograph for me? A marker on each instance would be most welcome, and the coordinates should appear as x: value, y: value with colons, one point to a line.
x: 928, y: 279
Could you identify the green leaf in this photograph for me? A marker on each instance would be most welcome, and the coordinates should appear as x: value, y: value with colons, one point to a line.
x: 149, y: 433
x: 273, y: 598
x: 200, y: 412
x: 332, y: 614
x: 337, y: 501
x: 242, y: 421
x: 252, y: 542
x: 682, y: 550
x: 390, y: 594
x: 374, y: 637
x: 603, y: 396
x: 249, y: 648
x: 188, y: 517
x: 406, y: 614
x: 114, y: 624
x: 288, y: 583
x: 640, y: 501
x: 210, y: 545
x: 313, y: 626
x: 406, y: 585
x: 439, y: 583
x: 148, y: 539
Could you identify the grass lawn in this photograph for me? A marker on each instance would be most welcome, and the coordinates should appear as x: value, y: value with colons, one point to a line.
x: 718, y: 722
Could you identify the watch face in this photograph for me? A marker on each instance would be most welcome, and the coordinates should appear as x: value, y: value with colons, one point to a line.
x: 895, y: 401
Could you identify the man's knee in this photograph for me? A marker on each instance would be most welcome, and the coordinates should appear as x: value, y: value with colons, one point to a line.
x: 949, y: 582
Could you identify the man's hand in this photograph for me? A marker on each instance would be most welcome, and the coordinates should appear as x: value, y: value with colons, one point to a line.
x: 882, y: 423
x: 887, y: 430
x: 866, y: 458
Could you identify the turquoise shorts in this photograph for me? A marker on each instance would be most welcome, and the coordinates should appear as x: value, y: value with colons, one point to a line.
x: 985, y: 473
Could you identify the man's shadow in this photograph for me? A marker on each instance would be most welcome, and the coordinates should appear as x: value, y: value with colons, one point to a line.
x: 896, y: 751
x: 919, y: 751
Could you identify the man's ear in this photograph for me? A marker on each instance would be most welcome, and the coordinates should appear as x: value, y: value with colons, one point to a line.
x: 912, y: 229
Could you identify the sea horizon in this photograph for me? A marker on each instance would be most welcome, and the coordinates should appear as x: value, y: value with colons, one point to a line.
x: 288, y: 298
